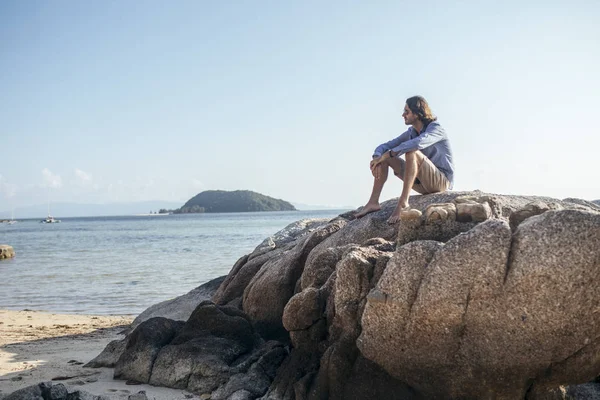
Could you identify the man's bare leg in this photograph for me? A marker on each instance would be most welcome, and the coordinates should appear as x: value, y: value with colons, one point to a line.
x: 411, y: 167
x: 381, y: 175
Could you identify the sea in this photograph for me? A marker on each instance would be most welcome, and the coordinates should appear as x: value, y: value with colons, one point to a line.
x: 122, y: 265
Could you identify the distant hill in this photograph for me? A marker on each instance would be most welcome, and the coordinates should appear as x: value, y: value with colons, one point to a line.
x: 596, y: 202
x: 62, y: 210
x: 220, y: 201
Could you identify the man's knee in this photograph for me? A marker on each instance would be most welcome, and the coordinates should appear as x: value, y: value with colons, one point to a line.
x: 415, y: 155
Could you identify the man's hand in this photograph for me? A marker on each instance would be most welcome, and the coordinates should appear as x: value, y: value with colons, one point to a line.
x: 375, y: 162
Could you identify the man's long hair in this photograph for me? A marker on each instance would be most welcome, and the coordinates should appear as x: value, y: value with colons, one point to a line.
x: 419, y: 106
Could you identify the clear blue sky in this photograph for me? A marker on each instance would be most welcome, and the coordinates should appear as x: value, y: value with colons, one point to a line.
x: 119, y: 101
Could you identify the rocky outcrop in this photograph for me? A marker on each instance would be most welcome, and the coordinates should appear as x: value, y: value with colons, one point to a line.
x: 492, y: 312
x: 477, y: 296
x: 50, y: 391
x: 6, y: 251
x: 216, y: 351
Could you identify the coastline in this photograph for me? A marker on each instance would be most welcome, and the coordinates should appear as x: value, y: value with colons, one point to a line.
x: 37, y: 346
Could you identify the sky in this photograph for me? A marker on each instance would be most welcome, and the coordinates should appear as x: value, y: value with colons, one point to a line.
x: 114, y: 101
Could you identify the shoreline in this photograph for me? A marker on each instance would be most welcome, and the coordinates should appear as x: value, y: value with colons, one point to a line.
x: 39, y: 346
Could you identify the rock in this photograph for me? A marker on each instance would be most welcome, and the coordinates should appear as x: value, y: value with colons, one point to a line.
x: 243, y: 271
x: 410, y: 215
x: 141, y: 395
x: 215, y: 345
x: 482, y: 322
x: 6, y: 251
x: 435, y: 307
x: 368, y: 380
x: 28, y: 393
x: 467, y: 199
x: 109, y: 356
x: 143, y: 346
x: 57, y: 392
x: 255, y: 381
x: 595, y: 204
x: 473, y: 212
x: 180, y: 308
x: 82, y: 395
x: 271, y: 288
x: 290, y: 233
x: 303, y: 310
x: 531, y: 209
x: 586, y: 391
x: 48, y: 391
x: 440, y: 212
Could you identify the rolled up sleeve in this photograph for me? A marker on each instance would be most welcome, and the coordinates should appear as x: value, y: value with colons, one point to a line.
x: 433, y: 134
x: 382, y: 148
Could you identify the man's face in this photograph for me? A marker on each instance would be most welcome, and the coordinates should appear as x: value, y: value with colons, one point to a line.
x: 409, y: 117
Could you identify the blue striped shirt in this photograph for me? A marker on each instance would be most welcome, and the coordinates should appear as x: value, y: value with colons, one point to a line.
x: 433, y: 142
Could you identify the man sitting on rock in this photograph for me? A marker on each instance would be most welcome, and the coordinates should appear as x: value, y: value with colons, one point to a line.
x: 428, y: 167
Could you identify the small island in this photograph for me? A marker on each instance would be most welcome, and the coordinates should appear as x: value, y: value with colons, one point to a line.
x: 221, y: 201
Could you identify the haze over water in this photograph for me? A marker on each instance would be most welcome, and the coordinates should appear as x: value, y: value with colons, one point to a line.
x: 122, y: 265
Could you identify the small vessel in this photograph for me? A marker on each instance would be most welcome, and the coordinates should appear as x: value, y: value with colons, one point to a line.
x: 10, y: 221
x: 50, y: 220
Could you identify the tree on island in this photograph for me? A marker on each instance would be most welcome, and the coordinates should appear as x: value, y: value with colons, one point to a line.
x: 220, y: 201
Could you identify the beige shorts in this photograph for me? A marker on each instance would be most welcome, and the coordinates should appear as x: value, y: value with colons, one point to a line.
x: 430, y: 178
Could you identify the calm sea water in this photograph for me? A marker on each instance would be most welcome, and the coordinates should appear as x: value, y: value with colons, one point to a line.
x: 122, y: 265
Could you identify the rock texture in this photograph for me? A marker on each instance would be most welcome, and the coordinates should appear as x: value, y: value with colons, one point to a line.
x: 478, y: 296
x: 6, y: 251
x: 50, y: 391
x: 216, y: 351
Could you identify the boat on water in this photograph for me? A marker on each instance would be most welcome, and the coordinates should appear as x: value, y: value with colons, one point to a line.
x: 50, y: 220
x: 10, y: 221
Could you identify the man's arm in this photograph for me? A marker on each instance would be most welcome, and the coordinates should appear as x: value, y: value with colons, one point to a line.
x: 433, y: 134
x: 382, y: 148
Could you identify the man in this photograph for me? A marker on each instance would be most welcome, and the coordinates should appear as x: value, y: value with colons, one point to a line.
x: 428, y: 167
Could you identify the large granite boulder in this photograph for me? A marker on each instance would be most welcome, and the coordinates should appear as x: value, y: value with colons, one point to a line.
x: 215, y: 351
x: 478, y: 296
x: 490, y: 313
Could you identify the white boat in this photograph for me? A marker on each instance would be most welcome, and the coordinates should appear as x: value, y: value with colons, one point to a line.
x: 50, y: 220
x: 10, y: 221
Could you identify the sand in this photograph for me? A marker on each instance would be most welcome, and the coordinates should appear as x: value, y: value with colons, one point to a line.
x: 39, y: 346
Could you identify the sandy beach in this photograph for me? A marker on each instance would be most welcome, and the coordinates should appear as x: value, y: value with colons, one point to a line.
x: 39, y: 346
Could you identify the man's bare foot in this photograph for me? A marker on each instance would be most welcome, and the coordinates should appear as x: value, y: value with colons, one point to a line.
x: 395, y: 217
x: 367, y: 209
x: 404, y: 213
